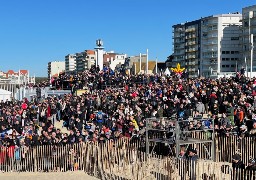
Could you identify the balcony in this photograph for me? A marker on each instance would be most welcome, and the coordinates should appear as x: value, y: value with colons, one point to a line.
x: 208, y: 43
x: 212, y: 36
x: 190, y: 30
x: 178, y: 53
x: 191, y: 57
x: 178, y: 36
x: 210, y: 56
x: 213, y: 29
x: 210, y: 50
x: 178, y: 30
x: 178, y: 47
x: 179, y: 42
x: 191, y: 50
x: 190, y: 36
x: 191, y: 43
x: 191, y: 69
x: 191, y: 63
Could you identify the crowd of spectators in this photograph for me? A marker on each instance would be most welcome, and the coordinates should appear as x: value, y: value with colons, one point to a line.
x: 115, y: 105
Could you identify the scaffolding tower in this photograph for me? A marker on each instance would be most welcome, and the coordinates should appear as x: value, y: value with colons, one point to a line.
x: 178, y: 129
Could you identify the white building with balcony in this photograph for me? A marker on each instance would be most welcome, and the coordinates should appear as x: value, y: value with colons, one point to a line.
x: 210, y: 46
x: 221, y: 50
x: 249, y: 35
x: 70, y: 63
x: 55, y: 68
x: 118, y: 59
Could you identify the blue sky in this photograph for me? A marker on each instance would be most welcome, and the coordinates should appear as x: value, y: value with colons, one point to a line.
x: 34, y: 32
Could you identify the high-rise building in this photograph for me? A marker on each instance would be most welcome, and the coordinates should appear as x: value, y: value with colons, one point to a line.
x: 85, y: 60
x: 187, y: 46
x: 55, y: 68
x: 70, y: 63
x: 249, y: 30
x: 221, y: 49
x: 210, y: 46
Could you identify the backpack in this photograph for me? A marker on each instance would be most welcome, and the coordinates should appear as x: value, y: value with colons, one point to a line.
x: 181, y: 114
x: 99, y: 116
x: 17, y: 154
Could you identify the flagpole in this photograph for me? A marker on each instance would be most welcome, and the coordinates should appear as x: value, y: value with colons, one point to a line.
x: 251, y: 54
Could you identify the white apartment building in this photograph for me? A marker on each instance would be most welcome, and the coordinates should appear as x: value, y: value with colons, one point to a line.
x: 210, y: 46
x: 55, y: 68
x: 118, y: 59
x: 221, y: 50
x: 70, y: 63
x: 249, y: 30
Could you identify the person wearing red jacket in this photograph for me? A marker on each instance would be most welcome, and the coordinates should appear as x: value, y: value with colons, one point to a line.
x: 48, y: 111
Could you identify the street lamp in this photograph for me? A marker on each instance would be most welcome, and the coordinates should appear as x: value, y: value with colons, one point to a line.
x: 250, y: 40
x: 251, y: 53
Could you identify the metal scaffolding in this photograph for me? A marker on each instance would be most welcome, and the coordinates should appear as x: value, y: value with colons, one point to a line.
x: 178, y: 134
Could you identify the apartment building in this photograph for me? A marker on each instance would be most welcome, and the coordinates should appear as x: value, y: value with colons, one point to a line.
x: 210, y: 46
x: 70, y: 63
x: 249, y: 30
x: 187, y: 46
x: 85, y: 60
x: 221, y: 49
x: 55, y: 68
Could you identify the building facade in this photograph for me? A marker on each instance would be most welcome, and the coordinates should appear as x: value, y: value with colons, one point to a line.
x: 249, y: 30
x: 210, y: 46
x: 70, y: 62
x: 178, y: 45
x: 118, y: 60
x: 85, y: 60
x: 136, y: 59
x: 55, y: 68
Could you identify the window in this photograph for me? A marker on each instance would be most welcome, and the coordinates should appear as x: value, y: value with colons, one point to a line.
x: 232, y: 65
x: 223, y: 66
x: 227, y: 66
x: 232, y: 52
x: 227, y: 52
x: 223, y: 52
x: 234, y: 38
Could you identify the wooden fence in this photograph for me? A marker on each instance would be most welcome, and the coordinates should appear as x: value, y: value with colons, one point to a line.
x: 122, y: 160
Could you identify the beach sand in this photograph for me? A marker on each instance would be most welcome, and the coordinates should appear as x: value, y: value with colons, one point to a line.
x: 47, y: 176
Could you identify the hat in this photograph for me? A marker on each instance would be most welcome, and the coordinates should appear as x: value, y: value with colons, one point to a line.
x: 252, y: 161
x: 193, y: 151
x: 236, y: 157
x: 81, y: 137
x: 228, y: 126
x: 243, y: 127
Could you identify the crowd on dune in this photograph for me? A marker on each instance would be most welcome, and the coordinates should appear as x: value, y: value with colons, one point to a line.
x: 115, y: 105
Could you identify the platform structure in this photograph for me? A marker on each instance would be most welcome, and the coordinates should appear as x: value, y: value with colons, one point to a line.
x: 158, y: 128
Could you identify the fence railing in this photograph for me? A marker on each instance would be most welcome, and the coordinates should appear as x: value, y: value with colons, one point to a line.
x: 124, y: 159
